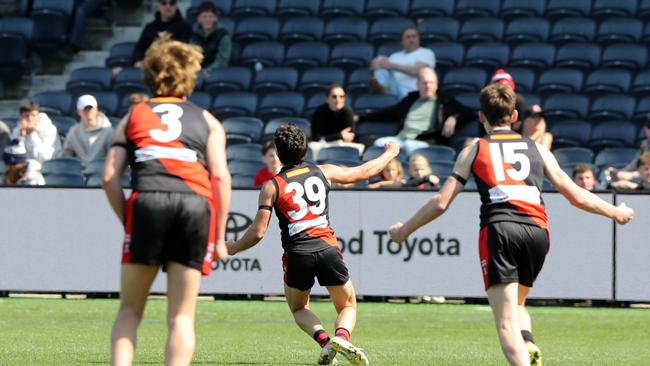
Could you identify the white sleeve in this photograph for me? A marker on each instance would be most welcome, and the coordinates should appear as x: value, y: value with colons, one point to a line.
x: 428, y: 57
x: 45, y: 140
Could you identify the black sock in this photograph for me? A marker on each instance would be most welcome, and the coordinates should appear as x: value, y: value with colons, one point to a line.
x: 321, y: 337
x: 528, y: 336
x: 343, y: 333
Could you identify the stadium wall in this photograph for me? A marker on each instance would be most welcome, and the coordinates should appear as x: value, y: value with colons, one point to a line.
x: 68, y: 240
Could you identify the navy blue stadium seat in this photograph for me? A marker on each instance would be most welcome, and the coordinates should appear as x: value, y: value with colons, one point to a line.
x: 318, y: 79
x: 615, y: 30
x: 273, y: 124
x: 366, y: 103
x: 282, y: 104
x: 477, y: 8
x: 256, y: 29
x: 570, y: 133
x: 448, y: 55
x: 511, y: 9
x: 51, y: 21
x: 228, y: 24
x: 337, y: 8
x: 437, y: 153
x: 604, y: 81
x: 234, y: 104
x: 438, y: 30
x: 367, y: 132
x: 573, y: 155
x: 65, y: 179
x: 642, y: 112
x: 559, y: 80
x: 244, y: 166
x: 351, y: 55
x: 107, y: 102
x: 568, y: 30
x: 223, y: 6
x: 469, y: 100
x: 201, y: 99
x: 297, y: 8
x: 129, y: 81
x: 612, y: 134
x: 63, y: 124
x: 612, y: 107
x: 357, y: 82
x: 372, y: 152
x: 302, y: 29
x: 15, y: 35
x: 243, y: 180
x: 641, y: 84
x: 246, y: 151
x: 481, y: 30
x: 267, y: 53
x: 388, y: 48
x: 338, y: 153
x: 121, y: 55
x: 346, y: 29
x: 615, y: 156
x: 243, y: 130
x: 488, y: 55
x: 644, y: 10
x: 61, y: 165
x: 521, y: 30
x: 388, y: 29
x: 534, y: 55
x: 386, y: 8
x: 89, y: 79
x: 614, y: 8
x: 566, y: 106
x: 626, y: 56
x: 641, y: 136
x: 442, y: 169
x: 464, y: 79
x: 313, y: 102
x: 275, y: 79
x: 225, y: 79
x: 246, y: 8
x: 428, y: 8
x: 54, y: 102
x: 563, y: 8
x: 532, y: 99
x: 524, y: 78
x: 305, y: 55
x: 94, y: 167
x: 584, y: 56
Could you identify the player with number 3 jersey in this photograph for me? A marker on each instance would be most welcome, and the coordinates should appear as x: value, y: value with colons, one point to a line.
x: 513, y: 240
x: 299, y: 196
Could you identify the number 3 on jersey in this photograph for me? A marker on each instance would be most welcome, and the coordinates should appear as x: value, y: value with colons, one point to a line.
x: 170, y: 115
x: 510, y: 156
x: 314, y: 190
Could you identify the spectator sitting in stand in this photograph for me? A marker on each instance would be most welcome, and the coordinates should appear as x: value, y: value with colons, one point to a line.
x: 397, y: 74
x: 643, y: 181
x: 213, y: 39
x: 535, y: 127
x: 18, y: 168
x: 521, y: 105
x: 391, y: 176
x: 583, y: 176
x: 36, y: 132
x: 630, y: 171
x: 332, y: 122
x: 91, y: 139
x: 420, y: 174
x: 273, y: 165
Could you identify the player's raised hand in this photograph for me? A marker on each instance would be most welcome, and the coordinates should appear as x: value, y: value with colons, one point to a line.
x: 392, y: 147
x: 624, y: 214
x: 396, y: 232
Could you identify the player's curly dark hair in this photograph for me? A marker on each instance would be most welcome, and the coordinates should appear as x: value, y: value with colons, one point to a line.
x: 291, y: 144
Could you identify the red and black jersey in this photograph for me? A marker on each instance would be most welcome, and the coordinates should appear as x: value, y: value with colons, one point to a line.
x: 509, y: 173
x: 302, y: 209
x: 166, y: 143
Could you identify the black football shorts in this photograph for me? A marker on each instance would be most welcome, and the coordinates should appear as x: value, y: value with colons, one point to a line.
x: 327, y: 265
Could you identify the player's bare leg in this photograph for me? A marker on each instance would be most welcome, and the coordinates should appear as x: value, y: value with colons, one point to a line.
x: 135, y: 282
x: 503, y: 301
x: 182, y: 290
x: 345, y: 302
x: 525, y: 323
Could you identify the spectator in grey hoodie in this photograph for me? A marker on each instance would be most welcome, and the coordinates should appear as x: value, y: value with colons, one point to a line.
x: 91, y: 139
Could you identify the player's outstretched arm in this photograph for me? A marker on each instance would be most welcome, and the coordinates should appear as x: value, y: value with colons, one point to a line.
x: 260, y: 224
x: 114, y: 169
x: 580, y: 197
x: 367, y: 170
x: 437, y: 205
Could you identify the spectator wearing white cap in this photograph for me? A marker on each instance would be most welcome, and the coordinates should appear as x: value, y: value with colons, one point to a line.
x: 91, y: 139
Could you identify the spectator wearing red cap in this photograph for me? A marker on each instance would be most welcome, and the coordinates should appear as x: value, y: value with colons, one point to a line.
x: 521, y: 105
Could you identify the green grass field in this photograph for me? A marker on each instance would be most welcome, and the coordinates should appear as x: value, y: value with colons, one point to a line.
x: 76, y: 332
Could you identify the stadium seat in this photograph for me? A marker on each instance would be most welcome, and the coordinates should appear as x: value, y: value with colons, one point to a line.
x: 437, y: 153
x: 15, y: 35
x: 346, y: 29
x: 584, y: 56
x: 614, y: 8
x: 386, y: 8
x: 428, y: 8
x: 366, y: 103
x: 273, y: 124
x: 256, y: 29
x: 615, y: 156
x: 267, y: 53
x: 247, y: 151
x: 640, y: 136
x: 644, y: 10
x: 11, y: 122
x: 347, y: 153
x: 645, y: 36
x: 63, y: 124
x: 538, y: 56
x: 357, y: 82
x: 87, y: 80
x: 129, y: 81
x: 305, y: 55
x: 477, y: 8
x: 318, y: 79
x: 531, y: 99
x: 641, y: 84
x: 388, y: 29
x: 469, y: 100
x: 563, y: 8
x: 616, y: 30
x: 574, y: 30
x: 243, y: 130
x: 297, y: 8
x: 51, y: 21
x: 54, y: 102
x: 487, y: 55
x: 223, y: 6
x: 612, y: 134
x: 313, y: 102
x: 559, y: 80
x: 612, y: 107
x: 524, y: 78
x: 61, y: 165
x: 351, y: 55
x: 481, y: 30
x: 438, y: 30
x: 372, y: 152
x: 275, y: 79
x: 226, y: 79
x: 464, y: 79
x: 573, y: 155
x: 448, y: 55
x: 120, y: 55
x: 64, y: 179
x: 244, y: 167
x: 201, y: 99
x: 526, y: 30
x: 442, y: 169
x: 626, y: 56
x: 94, y: 167
x: 570, y: 133
x: 282, y: 104
x: 234, y: 104
x: 243, y: 180
x: 605, y: 81
x: 228, y: 24
x: 247, y: 8
x: 514, y: 9
x: 388, y: 48
x: 642, y: 112
x: 338, y: 8
x: 566, y: 106
x: 302, y: 29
